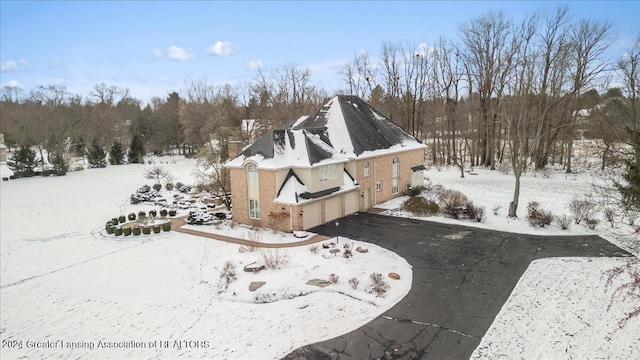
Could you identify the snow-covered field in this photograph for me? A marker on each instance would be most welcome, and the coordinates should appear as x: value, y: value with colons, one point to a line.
x: 68, y: 290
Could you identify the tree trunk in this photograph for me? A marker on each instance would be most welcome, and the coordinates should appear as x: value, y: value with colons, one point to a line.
x: 513, y: 206
x: 569, y: 151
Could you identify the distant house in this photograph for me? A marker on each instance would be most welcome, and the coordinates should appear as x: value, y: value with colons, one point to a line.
x: 344, y: 158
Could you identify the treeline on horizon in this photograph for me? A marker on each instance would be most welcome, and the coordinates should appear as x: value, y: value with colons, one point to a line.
x: 502, y: 92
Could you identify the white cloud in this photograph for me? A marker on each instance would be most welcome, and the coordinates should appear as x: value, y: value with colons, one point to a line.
x: 178, y: 53
x: 157, y: 53
x: 221, y: 48
x: 254, y: 65
x: 13, y: 65
x: 12, y: 84
x: 54, y: 63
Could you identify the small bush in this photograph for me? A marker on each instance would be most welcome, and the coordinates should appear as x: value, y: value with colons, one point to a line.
x: 168, y: 186
x: 378, y: 285
x: 496, y: 210
x: 163, y: 213
x: 582, y: 208
x: 314, y: 249
x: 137, y: 231
x: 179, y: 185
x: 142, y: 214
x: 275, y: 259
x: 564, y: 221
x: 418, y: 205
x: 354, y: 283
x: 147, y: 230
x: 479, y: 215
x: 172, y: 213
x: 452, y: 203
x: 131, y: 216
x: 537, y: 216
x: 122, y: 219
x: 156, y: 229
x: 591, y: 223
x: 333, y: 278
x: 127, y: 231
x: 118, y: 231
x: 157, y: 187
x: 115, y: 221
x: 110, y: 230
x: 153, y: 213
x: 227, y: 276
x: 166, y: 226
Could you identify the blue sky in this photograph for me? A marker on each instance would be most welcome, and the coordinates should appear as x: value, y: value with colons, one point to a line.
x: 153, y: 47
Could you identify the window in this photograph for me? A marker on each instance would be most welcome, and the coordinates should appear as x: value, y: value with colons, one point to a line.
x: 327, y: 173
x: 394, y: 186
x: 254, y: 209
x: 367, y: 169
x: 396, y: 167
x: 379, y: 186
x: 252, y: 176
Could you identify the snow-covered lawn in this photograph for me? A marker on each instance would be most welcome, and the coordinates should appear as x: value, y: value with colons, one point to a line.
x: 560, y: 307
x: 564, y: 309
x: 66, y: 286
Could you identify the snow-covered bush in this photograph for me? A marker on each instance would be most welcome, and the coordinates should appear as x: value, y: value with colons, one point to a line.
x: 147, y: 230
x: 157, y: 187
x: 156, y: 229
x: 200, y: 217
x: 168, y: 186
x: 137, y: 231
x: 131, y: 216
x: 172, y: 212
x: 122, y: 219
x: 144, y: 194
x: 166, y: 227
x: 537, y: 216
x: 163, y: 213
x: 127, y: 231
x: 153, y: 213
x: 314, y: 249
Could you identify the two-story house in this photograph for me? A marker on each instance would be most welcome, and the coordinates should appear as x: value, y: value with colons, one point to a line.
x: 344, y: 158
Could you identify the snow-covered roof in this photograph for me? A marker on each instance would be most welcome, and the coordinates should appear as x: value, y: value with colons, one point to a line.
x: 344, y: 128
x: 294, y: 192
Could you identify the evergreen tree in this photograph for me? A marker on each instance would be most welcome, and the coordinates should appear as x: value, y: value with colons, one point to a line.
x: 136, y: 150
x: 60, y: 164
x: 23, y: 162
x: 96, y: 155
x: 116, y: 154
x: 631, y: 190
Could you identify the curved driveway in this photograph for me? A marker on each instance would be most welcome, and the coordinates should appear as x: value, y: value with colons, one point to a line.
x: 461, y: 278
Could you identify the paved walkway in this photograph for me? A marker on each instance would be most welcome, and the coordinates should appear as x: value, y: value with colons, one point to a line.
x: 178, y: 223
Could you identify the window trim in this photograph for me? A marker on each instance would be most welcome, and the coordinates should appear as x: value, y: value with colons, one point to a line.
x: 327, y: 173
x: 254, y: 211
x: 395, y: 187
x: 395, y: 167
x: 253, y: 179
x: 379, y: 185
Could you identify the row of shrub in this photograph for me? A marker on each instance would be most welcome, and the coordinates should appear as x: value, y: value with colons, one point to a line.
x: 141, y: 214
x: 117, y: 231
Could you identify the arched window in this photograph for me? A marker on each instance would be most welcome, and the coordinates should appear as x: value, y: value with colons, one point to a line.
x: 367, y: 169
x: 252, y: 176
x: 396, y: 167
x: 395, y: 188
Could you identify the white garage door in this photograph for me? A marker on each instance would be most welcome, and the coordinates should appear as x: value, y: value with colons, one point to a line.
x: 332, y: 209
x: 351, y: 203
x: 311, y: 216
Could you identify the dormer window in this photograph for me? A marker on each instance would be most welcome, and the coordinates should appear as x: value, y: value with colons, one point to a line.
x: 327, y: 173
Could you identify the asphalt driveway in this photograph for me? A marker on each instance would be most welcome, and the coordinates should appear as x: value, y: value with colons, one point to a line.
x: 461, y: 278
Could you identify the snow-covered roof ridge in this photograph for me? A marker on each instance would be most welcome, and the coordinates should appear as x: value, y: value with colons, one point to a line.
x: 346, y: 127
x: 354, y: 127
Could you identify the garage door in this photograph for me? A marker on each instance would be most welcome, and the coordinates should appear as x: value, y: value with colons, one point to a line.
x: 332, y: 209
x: 351, y: 203
x: 311, y: 216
